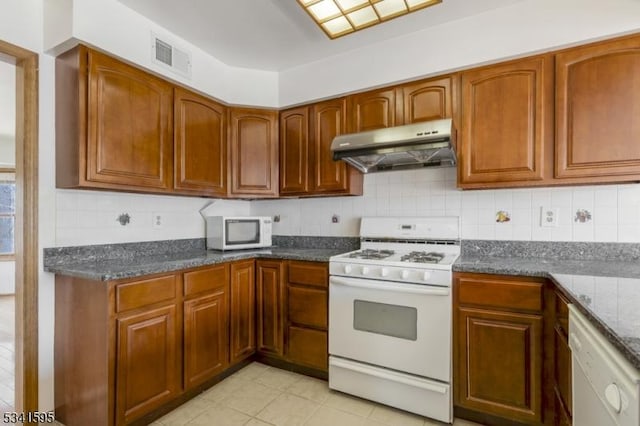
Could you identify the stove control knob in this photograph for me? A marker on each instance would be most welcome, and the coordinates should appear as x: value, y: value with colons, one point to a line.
x: 347, y: 269
x: 384, y: 272
x: 404, y: 274
x: 365, y: 270
x: 426, y: 276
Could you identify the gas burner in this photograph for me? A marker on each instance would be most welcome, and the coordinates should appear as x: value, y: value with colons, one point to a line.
x: 372, y: 254
x: 422, y: 257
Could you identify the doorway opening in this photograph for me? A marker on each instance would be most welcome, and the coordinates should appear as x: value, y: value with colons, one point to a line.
x: 19, y: 235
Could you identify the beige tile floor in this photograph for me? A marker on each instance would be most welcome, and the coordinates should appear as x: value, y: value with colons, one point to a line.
x: 261, y: 395
x: 7, y: 353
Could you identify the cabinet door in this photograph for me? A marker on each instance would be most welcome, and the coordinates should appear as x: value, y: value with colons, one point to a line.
x: 148, y: 364
x: 243, y: 303
x: 428, y: 100
x: 597, y: 107
x: 294, y: 151
x: 254, y: 152
x: 499, y: 366
x: 200, y: 145
x: 506, y: 123
x: 562, y: 361
x: 270, y: 300
x: 129, y: 125
x: 330, y: 177
x: 206, y: 341
x: 371, y: 110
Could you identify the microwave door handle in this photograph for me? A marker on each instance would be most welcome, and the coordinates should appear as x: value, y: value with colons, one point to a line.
x: 399, y: 288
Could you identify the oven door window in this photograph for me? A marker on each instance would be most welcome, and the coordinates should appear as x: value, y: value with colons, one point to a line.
x: 382, y: 318
x: 241, y: 231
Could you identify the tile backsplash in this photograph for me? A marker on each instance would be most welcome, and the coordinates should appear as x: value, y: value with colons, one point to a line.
x: 605, y: 213
x: 90, y: 217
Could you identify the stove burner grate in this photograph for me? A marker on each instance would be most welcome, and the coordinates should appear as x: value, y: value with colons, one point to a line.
x: 422, y: 257
x: 372, y: 254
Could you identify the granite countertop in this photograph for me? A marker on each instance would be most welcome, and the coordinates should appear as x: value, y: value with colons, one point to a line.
x: 114, y: 269
x: 607, y: 292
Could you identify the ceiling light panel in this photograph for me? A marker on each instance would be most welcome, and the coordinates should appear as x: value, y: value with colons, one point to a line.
x: 324, y: 10
x: 391, y: 8
x: 348, y: 5
x: 341, y: 17
x: 363, y: 17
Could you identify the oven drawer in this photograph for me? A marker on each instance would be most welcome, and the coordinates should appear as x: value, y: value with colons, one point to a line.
x: 414, y: 394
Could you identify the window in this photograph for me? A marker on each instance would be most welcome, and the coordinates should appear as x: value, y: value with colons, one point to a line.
x: 7, y: 215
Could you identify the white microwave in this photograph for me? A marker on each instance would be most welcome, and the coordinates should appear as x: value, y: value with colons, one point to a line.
x: 237, y: 232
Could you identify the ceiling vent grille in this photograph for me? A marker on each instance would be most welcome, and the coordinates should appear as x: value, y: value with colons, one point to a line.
x: 169, y: 56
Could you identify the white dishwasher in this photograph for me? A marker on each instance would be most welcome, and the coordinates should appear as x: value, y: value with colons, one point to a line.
x: 606, y: 386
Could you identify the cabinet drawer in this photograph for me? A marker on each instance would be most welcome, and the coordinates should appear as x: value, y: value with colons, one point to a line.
x: 307, y: 306
x: 308, y: 347
x: 146, y: 292
x: 206, y: 279
x: 496, y: 292
x: 309, y: 273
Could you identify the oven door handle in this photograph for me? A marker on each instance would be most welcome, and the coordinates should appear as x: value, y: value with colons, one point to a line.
x: 389, y: 286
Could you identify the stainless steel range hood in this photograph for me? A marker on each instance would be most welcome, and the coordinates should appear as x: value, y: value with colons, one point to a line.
x: 428, y: 144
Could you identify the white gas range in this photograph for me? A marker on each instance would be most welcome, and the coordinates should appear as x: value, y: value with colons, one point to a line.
x: 390, y: 314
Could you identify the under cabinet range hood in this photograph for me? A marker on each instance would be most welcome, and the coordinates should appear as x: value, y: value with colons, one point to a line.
x: 428, y: 144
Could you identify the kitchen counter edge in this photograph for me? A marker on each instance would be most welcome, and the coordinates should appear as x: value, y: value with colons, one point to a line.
x: 117, y: 269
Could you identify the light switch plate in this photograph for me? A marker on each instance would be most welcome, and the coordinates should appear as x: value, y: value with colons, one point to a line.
x: 549, y: 217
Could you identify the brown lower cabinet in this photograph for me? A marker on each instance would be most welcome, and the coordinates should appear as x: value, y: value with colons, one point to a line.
x: 243, y: 307
x: 206, y: 324
x: 127, y: 351
x: 506, y: 350
x: 270, y: 307
x: 307, y: 314
x: 562, y: 364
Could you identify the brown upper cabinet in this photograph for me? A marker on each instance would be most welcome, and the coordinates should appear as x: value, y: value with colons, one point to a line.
x: 597, y: 106
x: 328, y: 120
x: 113, y: 124
x: 254, y: 152
x: 294, y: 151
x: 200, y: 144
x: 507, y: 124
x: 372, y: 110
x: 415, y: 102
x: 307, y: 167
x: 431, y: 99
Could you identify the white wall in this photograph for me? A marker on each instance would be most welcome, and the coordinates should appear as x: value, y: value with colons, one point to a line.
x: 113, y: 27
x: 614, y: 209
x: 525, y: 27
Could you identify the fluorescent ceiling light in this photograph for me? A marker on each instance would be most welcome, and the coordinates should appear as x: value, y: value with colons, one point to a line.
x: 341, y: 17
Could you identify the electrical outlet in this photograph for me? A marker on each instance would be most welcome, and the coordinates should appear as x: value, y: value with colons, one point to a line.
x: 158, y: 220
x: 549, y: 217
